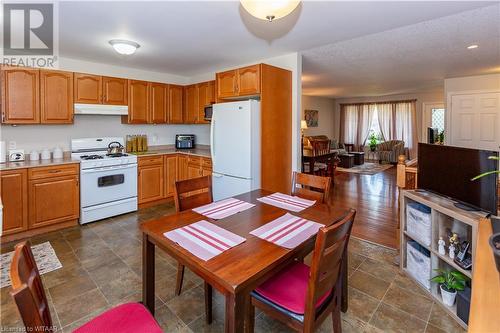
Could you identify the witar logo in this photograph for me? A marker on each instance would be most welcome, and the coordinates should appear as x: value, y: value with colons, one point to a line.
x: 29, y: 34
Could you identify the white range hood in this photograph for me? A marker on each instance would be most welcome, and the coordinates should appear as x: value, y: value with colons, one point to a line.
x: 101, y: 109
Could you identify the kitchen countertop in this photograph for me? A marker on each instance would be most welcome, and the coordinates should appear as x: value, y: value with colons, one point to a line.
x: 203, y: 151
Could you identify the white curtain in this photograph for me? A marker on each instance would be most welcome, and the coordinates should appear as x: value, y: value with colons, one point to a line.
x: 350, y: 123
x: 406, y: 125
x: 386, y: 120
x: 365, y: 119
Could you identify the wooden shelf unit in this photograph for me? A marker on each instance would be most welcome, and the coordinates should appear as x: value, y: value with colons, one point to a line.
x: 443, y: 215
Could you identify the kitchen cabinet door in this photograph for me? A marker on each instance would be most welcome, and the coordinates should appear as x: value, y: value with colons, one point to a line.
x: 249, y: 80
x: 150, y: 182
x: 193, y: 171
x: 226, y: 84
x: 182, y: 167
x: 20, y: 95
x: 204, y: 99
x: 159, y: 103
x: 56, y: 95
x: 114, y: 91
x: 14, y: 193
x: 175, y: 102
x: 170, y: 174
x: 53, y: 200
x: 138, y: 106
x: 210, y: 98
x: 87, y: 88
x: 191, y: 104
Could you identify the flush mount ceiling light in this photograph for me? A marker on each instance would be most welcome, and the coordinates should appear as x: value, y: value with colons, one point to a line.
x: 125, y: 47
x: 472, y: 47
x: 269, y: 9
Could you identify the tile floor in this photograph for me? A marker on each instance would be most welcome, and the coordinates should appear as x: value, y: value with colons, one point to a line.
x: 102, y: 268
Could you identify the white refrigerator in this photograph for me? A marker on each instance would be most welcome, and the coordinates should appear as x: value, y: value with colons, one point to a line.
x: 235, y: 146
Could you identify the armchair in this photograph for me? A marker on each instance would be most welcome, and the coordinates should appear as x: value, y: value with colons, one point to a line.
x: 389, y: 151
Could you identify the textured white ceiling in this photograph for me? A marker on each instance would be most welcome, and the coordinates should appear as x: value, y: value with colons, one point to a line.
x: 189, y: 38
x: 408, y: 59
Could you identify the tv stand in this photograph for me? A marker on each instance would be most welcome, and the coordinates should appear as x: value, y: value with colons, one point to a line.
x: 466, y: 207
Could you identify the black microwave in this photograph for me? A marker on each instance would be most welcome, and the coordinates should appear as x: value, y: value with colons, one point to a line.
x: 184, y: 141
x: 208, y: 112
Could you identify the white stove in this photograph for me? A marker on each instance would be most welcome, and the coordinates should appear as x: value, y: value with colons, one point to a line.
x: 108, y: 182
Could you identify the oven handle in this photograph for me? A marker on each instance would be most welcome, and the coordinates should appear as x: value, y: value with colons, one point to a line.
x: 110, y: 168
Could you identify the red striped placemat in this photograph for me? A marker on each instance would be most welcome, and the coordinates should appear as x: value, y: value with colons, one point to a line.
x: 224, y: 208
x: 288, y: 231
x: 204, y: 239
x: 288, y: 202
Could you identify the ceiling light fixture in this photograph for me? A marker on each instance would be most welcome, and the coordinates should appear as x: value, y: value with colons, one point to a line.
x: 269, y: 9
x: 125, y: 47
x: 473, y: 46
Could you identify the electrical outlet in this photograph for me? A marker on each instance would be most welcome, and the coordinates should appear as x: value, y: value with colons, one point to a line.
x: 12, y: 145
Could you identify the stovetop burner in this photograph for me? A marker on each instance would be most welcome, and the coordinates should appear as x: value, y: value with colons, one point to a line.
x: 117, y: 155
x: 91, y: 157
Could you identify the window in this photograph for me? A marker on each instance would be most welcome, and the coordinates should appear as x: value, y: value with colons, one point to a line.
x: 375, y: 127
x: 437, y: 119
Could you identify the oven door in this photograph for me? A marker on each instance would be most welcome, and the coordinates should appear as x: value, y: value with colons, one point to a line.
x: 108, y: 184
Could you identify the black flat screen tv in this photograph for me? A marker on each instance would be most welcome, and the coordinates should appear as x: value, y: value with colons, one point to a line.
x: 448, y: 170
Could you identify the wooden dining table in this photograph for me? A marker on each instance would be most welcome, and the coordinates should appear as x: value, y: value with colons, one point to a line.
x: 237, y: 271
x: 308, y: 157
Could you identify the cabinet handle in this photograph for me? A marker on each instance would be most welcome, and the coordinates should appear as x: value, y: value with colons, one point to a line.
x: 54, y: 171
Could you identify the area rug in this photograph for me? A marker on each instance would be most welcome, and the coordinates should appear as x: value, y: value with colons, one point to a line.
x: 367, y: 168
x: 45, y: 258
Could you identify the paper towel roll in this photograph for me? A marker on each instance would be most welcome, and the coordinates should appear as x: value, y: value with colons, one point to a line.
x: 3, y: 152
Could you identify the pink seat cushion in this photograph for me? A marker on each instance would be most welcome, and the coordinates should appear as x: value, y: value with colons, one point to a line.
x: 125, y: 318
x: 288, y: 288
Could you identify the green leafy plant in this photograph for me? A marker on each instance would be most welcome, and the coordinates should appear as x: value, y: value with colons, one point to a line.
x: 441, y: 137
x: 451, y: 281
x: 488, y: 172
x: 373, y: 140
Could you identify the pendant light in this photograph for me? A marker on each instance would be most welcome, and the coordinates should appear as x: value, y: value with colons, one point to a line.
x: 269, y: 10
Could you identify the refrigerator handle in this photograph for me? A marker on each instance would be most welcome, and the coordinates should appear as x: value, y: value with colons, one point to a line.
x: 212, y: 147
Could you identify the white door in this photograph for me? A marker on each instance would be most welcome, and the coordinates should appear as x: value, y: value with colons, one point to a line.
x: 224, y: 187
x: 475, y: 121
x: 231, y: 139
x: 434, y: 116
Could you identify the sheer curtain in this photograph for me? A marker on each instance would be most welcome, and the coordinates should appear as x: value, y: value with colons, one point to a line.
x: 385, y: 113
x: 406, y: 125
x: 350, y: 124
x: 365, y: 119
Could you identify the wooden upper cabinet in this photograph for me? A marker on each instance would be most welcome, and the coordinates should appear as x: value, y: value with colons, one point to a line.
x: 175, y: 100
x: 191, y: 104
x: 20, y: 95
x: 206, y: 97
x: 159, y: 103
x: 14, y: 193
x: 88, y: 88
x: 226, y: 84
x: 244, y: 81
x: 211, y: 93
x: 138, y: 106
x: 56, y: 97
x: 249, y: 80
x: 114, y: 91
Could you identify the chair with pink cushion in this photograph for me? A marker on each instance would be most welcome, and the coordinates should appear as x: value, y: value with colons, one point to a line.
x: 302, y: 297
x: 29, y: 296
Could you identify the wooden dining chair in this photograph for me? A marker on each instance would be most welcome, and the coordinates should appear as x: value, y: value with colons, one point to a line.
x: 189, y: 194
x: 320, y: 147
x: 310, y: 186
x: 29, y: 295
x: 302, y: 297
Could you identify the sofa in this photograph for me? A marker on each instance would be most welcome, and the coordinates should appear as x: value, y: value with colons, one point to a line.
x: 389, y: 151
x: 335, y: 146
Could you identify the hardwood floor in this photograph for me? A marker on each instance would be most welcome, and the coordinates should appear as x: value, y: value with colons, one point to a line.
x: 375, y: 199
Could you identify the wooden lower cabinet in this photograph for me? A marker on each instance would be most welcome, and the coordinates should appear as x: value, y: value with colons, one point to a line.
x: 170, y: 162
x: 182, y: 167
x: 14, y: 194
x: 150, y: 179
x: 53, y: 200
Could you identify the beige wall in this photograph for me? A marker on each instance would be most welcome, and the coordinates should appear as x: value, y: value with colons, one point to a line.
x: 490, y: 82
x: 422, y: 97
x: 326, y: 115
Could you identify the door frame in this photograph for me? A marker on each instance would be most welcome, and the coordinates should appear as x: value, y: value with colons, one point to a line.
x: 426, y: 117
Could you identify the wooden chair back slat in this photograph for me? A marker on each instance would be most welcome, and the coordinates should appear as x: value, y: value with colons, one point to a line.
x: 27, y: 290
x: 311, y: 187
x: 320, y: 147
x: 192, y: 193
x: 326, y: 264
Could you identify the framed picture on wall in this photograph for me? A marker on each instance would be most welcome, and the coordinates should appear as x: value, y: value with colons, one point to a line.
x: 311, y: 117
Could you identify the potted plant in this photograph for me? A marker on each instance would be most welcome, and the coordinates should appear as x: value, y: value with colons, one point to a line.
x: 449, y: 283
x: 441, y: 137
x: 372, y: 142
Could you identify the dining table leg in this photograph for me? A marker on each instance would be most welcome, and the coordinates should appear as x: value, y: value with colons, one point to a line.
x: 235, y: 313
x: 148, y: 274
